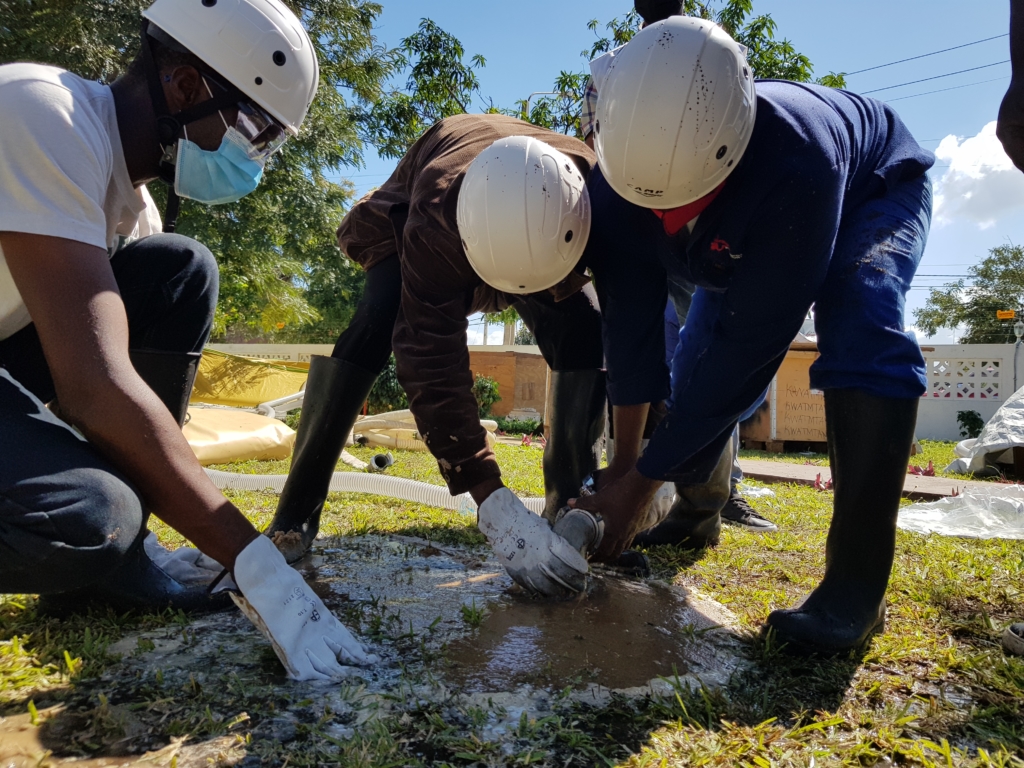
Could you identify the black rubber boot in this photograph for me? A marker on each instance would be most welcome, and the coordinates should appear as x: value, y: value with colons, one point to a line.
x: 573, y: 451
x: 170, y: 375
x: 695, y: 520
x: 334, y: 395
x: 869, y: 442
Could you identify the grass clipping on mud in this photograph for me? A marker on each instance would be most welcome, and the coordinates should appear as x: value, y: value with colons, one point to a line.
x: 934, y: 690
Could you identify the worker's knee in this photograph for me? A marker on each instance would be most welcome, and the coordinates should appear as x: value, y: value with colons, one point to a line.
x: 113, y: 513
x: 168, y: 268
x: 190, y: 268
x: 73, y: 529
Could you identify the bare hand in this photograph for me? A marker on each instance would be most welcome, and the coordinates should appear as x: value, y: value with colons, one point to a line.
x: 623, y: 506
x: 604, y: 478
x: 1010, y: 128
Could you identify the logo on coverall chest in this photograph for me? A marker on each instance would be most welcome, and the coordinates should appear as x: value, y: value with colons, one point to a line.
x: 718, y: 245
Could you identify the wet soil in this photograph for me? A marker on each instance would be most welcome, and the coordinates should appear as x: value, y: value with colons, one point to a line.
x: 465, y: 619
x: 621, y: 635
x: 448, y: 625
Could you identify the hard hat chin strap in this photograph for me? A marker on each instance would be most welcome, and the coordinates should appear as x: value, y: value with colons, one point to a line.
x: 169, y: 126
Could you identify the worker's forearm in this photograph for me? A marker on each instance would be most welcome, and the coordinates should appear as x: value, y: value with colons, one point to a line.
x: 131, y: 427
x: 482, y: 490
x: 629, y: 422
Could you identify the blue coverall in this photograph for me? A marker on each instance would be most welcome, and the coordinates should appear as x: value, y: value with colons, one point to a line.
x: 831, y: 206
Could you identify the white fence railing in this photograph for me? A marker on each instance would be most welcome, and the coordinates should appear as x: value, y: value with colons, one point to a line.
x: 298, y: 353
x: 302, y: 352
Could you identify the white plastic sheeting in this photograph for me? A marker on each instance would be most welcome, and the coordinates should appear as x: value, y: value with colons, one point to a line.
x: 397, y: 430
x: 995, y: 514
x: 1003, y: 432
x: 754, y: 491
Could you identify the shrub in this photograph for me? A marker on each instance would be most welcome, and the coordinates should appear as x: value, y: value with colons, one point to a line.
x: 387, y: 394
x: 485, y: 390
x: 524, y: 336
x: 970, y: 423
x: 520, y: 426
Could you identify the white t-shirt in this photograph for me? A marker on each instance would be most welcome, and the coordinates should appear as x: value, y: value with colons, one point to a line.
x: 62, y: 169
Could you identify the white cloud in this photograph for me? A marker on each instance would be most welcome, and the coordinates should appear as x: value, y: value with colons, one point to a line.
x: 981, y: 183
x: 475, y: 335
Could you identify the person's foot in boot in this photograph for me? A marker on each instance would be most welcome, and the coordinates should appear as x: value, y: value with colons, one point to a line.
x: 334, y: 395
x: 831, y: 621
x: 633, y: 563
x: 684, y: 527
x: 138, y: 584
x: 737, y: 511
x: 869, y: 446
x: 694, y: 521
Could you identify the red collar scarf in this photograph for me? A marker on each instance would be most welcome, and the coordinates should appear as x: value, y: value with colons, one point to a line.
x: 674, y: 219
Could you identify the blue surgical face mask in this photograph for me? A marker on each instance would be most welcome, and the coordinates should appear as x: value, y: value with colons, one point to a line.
x: 222, y: 176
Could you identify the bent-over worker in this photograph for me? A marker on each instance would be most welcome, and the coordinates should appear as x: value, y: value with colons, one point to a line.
x: 770, y: 197
x: 482, y: 213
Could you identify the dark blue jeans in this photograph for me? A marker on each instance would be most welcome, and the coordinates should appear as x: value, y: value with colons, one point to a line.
x: 68, y: 516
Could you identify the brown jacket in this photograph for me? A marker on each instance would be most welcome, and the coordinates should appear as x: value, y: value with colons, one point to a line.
x: 414, y: 215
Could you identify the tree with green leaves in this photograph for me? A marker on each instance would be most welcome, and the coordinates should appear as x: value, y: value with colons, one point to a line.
x: 276, y: 246
x: 769, y: 57
x: 440, y: 84
x: 995, y: 284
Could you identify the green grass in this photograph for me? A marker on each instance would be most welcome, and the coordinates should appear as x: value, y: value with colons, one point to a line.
x: 934, y: 690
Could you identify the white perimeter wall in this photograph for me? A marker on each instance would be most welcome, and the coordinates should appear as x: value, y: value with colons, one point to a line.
x: 976, y: 377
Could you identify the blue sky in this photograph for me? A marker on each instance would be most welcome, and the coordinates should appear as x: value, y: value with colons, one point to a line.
x: 527, y: 42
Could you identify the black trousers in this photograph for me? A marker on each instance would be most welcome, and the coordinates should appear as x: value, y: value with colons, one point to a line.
x: 67, y: 516
x: 568, y: 332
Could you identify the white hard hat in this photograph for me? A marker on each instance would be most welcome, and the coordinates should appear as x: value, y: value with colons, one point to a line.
x: 675, y: 113
x: 259, y: 46
x: 524, y: 215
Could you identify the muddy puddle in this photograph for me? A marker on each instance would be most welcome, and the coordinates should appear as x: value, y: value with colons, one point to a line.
x: 449, y: 627
x: 452, y: 616
x: 622, y: 635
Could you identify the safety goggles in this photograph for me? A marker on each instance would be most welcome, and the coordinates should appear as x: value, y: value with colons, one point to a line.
x: 264, y: 134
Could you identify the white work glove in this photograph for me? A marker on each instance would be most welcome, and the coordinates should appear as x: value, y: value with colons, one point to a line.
x: 534, y: 555
x: 307, y: 638
x: 185, y: 565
